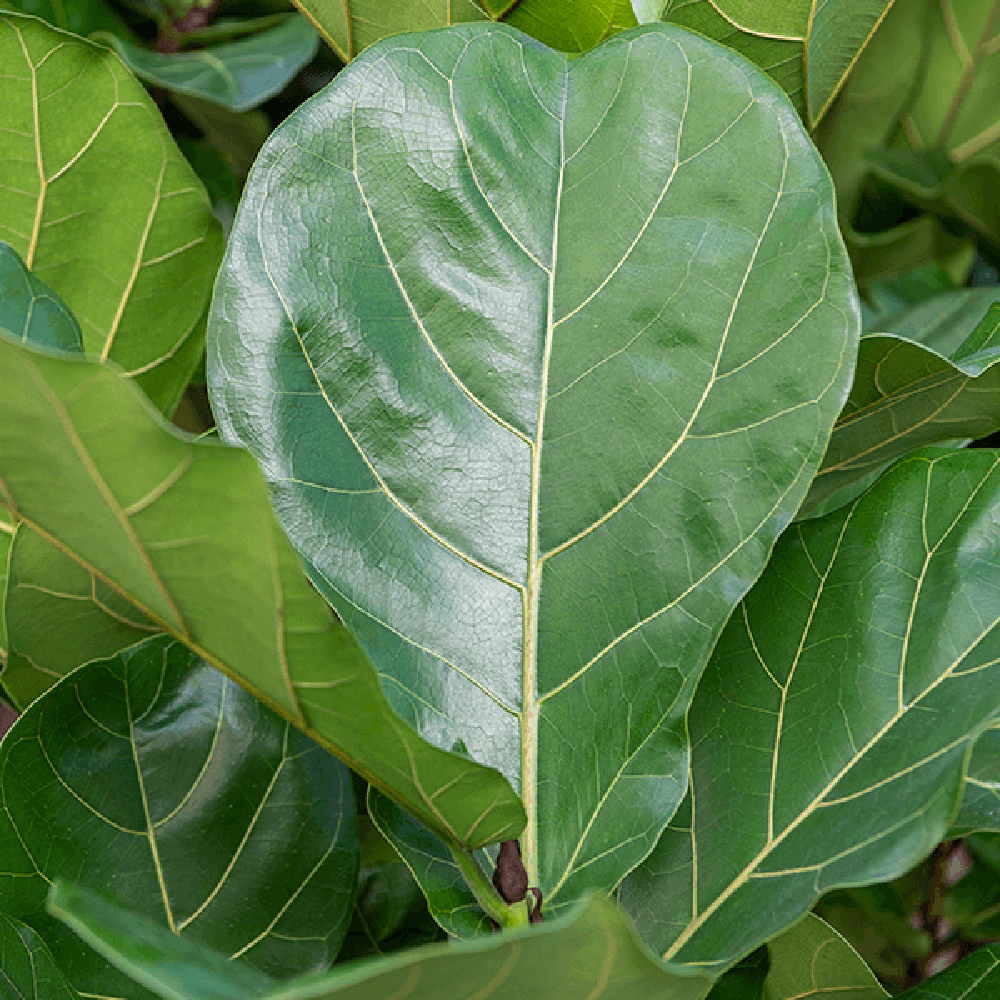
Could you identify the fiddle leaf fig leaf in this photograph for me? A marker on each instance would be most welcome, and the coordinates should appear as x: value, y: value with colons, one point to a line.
x: 923, y: 378
x: 831, y: 727
x: 980, y: 809
x: 975, y: 977
x: 535, y: 388
x: 27, y: 969
x: 238, y: 75
x: 183, y: 531
x: 101, y: 205
x: 592, y: 952
x: 30, y: 310
x: 203, y: 800
x: 812, y: 960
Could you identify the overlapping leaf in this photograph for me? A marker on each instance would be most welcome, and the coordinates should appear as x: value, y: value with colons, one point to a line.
x: 812, y: 960
x: 152, y: 777
x: 592, y: 952
x: 925, y: 375
x: 185, y: 532
x: 807, y: 47
x: 976, y: 977
x: 58, y: 616
x: 239, y: 75
x: 27, y: 969
x: 101, y: 205
x: 980, y: 809
x: 831, y: 726
x: 30, y: 310
x: 535, y: 388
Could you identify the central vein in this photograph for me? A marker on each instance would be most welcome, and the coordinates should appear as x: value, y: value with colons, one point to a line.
x: 529, y: 700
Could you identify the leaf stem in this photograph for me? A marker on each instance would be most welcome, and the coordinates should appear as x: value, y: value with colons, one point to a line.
x: 487, y: 897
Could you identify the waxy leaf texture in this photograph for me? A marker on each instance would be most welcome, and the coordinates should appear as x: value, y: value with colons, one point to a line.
x: 538, y: 356
x: 152, y: 777
x: 831, y: 727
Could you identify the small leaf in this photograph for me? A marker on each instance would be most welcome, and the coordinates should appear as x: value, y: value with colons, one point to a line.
x: 980, y: 809
x: 812, y: 960
x: 27, y: 969
x: 975, y: 977
x: 238, y: 75
x: 831, y: 726
x: 591, y: 952
x: 152, y: 777
x: 31, y: 311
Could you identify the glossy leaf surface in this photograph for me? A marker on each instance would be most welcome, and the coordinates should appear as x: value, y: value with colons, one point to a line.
x: 239, y: 75
x: 812, y: 960
x: 100, y: 204
x: 926, y: 375
x: 185, y: 532
x: 202, y: 801
x: 831, y: 726
x: 806, y: 46
x: 30, y: 310
x: 593, y: 952
x: 27, y: 969
x: 535, y: 389
x: 58, y: 616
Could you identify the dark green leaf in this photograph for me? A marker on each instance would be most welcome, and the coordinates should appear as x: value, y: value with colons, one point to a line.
x: 745, y: 980
x: 79, y: 16
x: 27, y: 971
x: 976, y: 977
x: 513, y: 377
x: 152, y: 777
x: 238, y: 75
x: 101, y: 205
x: 30, y: 310
x: 566, y: 25
x: 831, y: 726
x: 592, y: 952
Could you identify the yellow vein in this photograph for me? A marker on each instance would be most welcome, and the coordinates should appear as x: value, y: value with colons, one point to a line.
x: 140, y: 250
x: 529, y: 677
x: 611, y: 104
x: 237, y: 854
x: 708, y: 388
x: 753, y: 643
x: 103, y: 488
x: 42, y: 182
x: 495, y: 417
x: 157, y: 491
x: 204, y: 768
x: 150, y: 833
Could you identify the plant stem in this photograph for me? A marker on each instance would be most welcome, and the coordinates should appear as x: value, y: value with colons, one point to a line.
x: 487, y: 897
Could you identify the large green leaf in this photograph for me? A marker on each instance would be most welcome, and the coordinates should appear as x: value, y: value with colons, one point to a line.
x: 929, y: 375
x: 58, y: 616
x: 592, y: 952
x: 811, y: 960
x: 154, y: 778
x: 830, y: 728
x: 79, y: 16
x: 30, y: 310
x: 536, y: 388
x: 101, y: 205
x: 184, y: 531
x: 567, y: 25
x: 807, y: 46
x: 239, y: 75
x: 27, y: 969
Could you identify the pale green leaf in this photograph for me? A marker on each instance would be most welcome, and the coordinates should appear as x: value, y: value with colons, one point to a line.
x: 184, y: 531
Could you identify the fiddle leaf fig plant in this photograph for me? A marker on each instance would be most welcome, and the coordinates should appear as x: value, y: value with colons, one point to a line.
x: 525, y: 362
